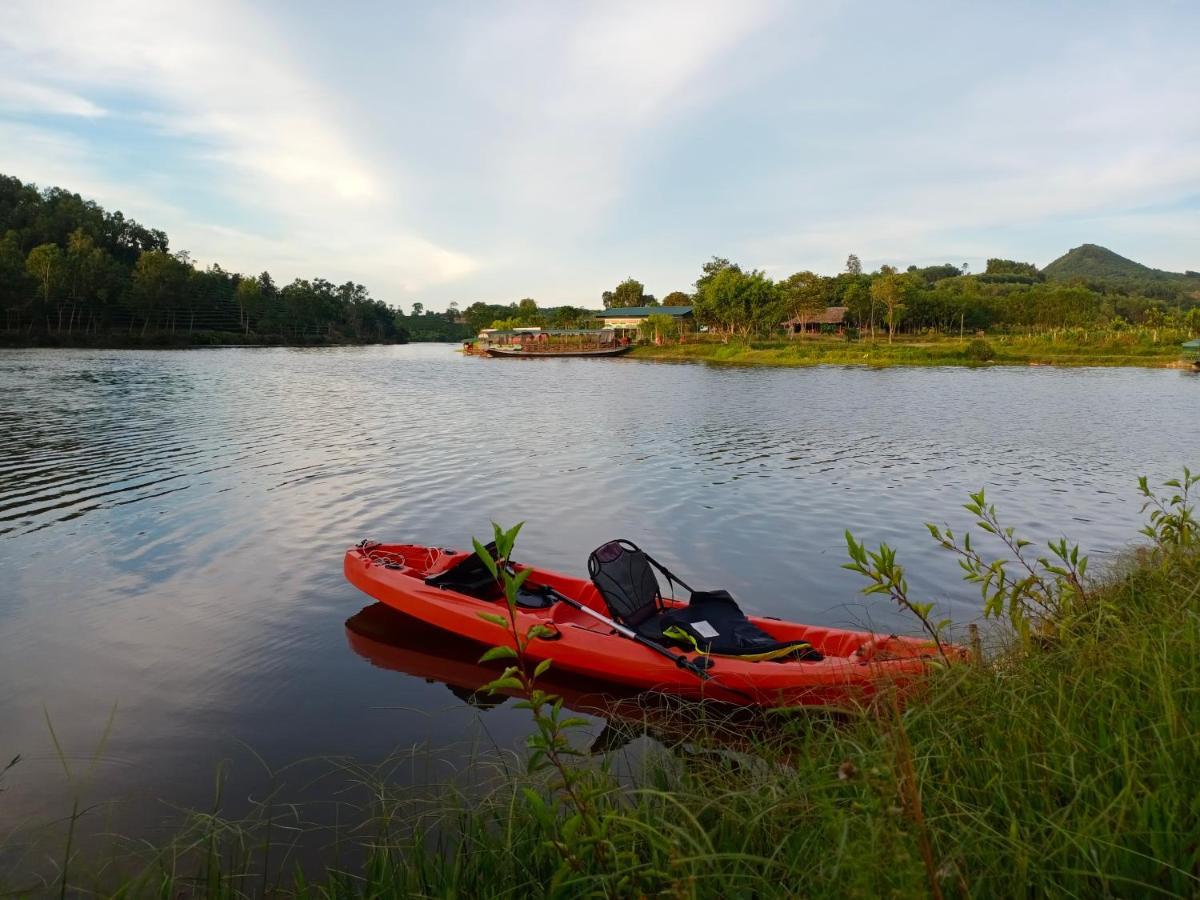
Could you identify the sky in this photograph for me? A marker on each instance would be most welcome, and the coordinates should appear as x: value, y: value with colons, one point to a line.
x: 464, y: 151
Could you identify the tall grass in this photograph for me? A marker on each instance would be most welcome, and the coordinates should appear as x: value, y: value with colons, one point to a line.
x: 1067, y: 764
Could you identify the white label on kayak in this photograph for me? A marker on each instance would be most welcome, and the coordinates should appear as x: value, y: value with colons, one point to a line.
x: 705, y: 630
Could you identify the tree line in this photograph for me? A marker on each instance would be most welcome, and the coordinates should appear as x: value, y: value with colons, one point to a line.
x: 1008, y: 295
x: 69, y: 268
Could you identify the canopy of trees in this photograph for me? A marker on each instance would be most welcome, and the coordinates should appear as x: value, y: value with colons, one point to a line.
x: 629, y: 292
x: 1008, y: 295
x: 526, y: 314
x: 68, y: 267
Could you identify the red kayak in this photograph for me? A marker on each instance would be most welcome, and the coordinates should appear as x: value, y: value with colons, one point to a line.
x: 838, y: 667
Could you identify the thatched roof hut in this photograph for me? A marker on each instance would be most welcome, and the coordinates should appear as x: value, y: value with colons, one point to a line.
x: 831, y: 316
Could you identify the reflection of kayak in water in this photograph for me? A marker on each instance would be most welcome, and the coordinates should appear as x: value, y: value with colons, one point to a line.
x: 394, y: 641
x: 830, y: 666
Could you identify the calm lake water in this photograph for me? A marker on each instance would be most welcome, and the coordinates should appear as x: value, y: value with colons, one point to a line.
x: 172, y: 523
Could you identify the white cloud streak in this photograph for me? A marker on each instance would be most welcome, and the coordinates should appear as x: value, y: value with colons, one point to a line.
x: 44, y: 99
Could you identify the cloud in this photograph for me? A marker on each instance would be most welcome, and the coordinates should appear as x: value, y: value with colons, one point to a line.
x: 43, y: 99
x: 1079, y: 144
x: 581, y: 93
x: 549, y: 149
x: 49, y: 158
x: 215, y: 82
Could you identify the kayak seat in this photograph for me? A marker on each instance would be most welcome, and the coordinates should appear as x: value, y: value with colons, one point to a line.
x: 471, y: 577
x: 711, y: 623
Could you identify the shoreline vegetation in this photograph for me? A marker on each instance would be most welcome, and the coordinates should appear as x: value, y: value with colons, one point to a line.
x: 1133, y: 348
x: 74, y: 274
x: 1061, y: 762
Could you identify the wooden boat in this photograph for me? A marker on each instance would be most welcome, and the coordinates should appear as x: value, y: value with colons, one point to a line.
x: 848, y: 666
x: 522, y: 353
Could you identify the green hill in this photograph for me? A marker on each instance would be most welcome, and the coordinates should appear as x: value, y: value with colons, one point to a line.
x: 1092, y: 262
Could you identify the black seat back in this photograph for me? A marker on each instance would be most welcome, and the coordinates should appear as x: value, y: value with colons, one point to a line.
x: 625, y: 579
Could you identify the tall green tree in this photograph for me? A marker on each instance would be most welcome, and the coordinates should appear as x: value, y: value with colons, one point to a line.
x: 159, y: 281
x: 527, y: 312
x: 16, y: 284
x: 571, y: 317
x: 629, y: 292
x: 710, y: 270
x: 677, y: 298
x: 891, y: 290
x: 805, y: 295
x: 250, y: 300
x: 740, y: 303
x: 46, y: 264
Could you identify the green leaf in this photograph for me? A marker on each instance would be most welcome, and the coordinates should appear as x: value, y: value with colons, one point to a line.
x: 482, y: 552
x: 494, y: 618
x: 541, y: 667
x: 502, y: 684
x: 538, y: 806
x: 500, y: 652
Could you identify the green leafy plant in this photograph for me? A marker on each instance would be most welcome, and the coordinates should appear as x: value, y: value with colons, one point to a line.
x: 1172, y: 521
x: 571, y: 815
x: 887, y: 577
x: 1033, y: 593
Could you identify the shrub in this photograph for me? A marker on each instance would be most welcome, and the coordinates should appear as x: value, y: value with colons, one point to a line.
x: 980, y: 350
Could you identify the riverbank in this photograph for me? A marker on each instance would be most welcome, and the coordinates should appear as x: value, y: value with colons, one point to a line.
x: 1063, y: 765
x: 1010, y: 350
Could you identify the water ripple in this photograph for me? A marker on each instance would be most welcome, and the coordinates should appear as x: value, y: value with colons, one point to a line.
x: 172, y: 522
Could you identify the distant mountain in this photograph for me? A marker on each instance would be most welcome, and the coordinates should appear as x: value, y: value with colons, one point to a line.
x: 1094, y: 263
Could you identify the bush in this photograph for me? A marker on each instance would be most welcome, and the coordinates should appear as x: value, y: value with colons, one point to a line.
x: 980, y: 351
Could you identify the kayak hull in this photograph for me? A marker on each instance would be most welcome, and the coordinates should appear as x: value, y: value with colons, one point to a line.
x: 856, y: 664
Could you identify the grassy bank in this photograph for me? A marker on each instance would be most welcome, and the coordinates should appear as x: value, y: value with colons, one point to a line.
x: 1067, y: 349
x: 1065, y: 764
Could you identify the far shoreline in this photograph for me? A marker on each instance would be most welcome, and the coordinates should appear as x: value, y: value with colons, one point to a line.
x: 1005, y: 351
